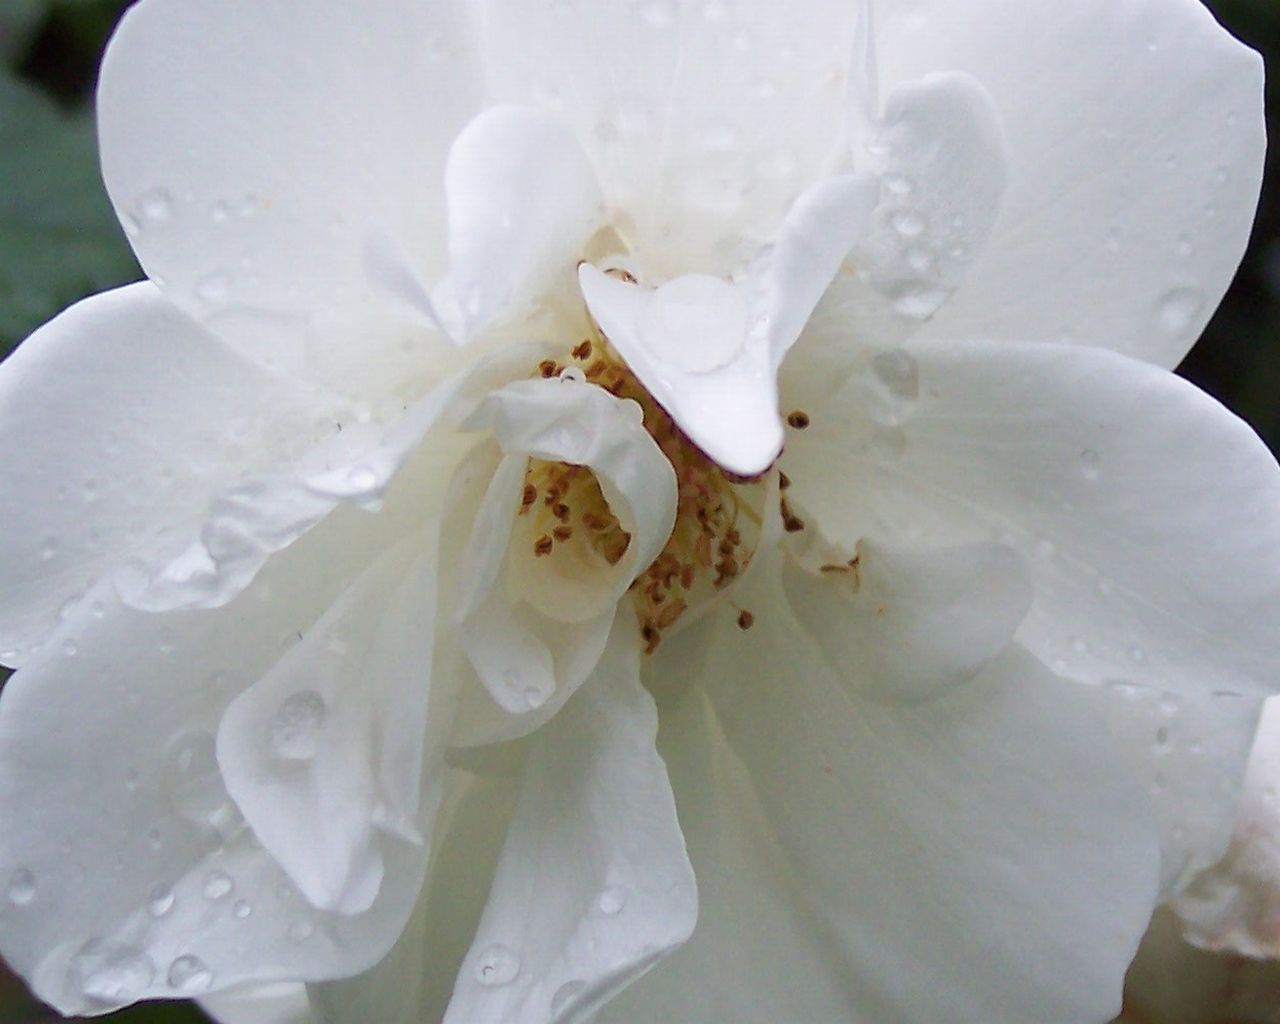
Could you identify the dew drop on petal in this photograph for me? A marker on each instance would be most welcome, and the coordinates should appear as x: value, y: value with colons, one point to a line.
x: 156, y: 206
x: 612, y: 900
x: 22, y: 887
x: 565, y: 994
x: 301, y: 930
x: 217, y: 885
x: 242, y: 909
x: 192, y: 779
x: 1089, y: 463
x: 161, y: 902
x: 497, y: 965
x: 296, y: 729
x: 108, y: 973
x: 189, y: 974
x: 909, y: 223
x: 1179, y: 309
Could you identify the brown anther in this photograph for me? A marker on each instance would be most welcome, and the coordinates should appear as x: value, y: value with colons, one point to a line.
x: 670, y: 613
x: 686, y: 576
x: 726, y: 547
x: 561, y: 511
x: 548, y: 368
x: 529, y: 496
x: 798, y: 419
x: 543, y: 546
x: 835, y: 568
x: 784, y: 481
x: 592, y: 521
x: 597, y: 368
x: 651, y: 638
x: 562, y: 532
x: 733, y: 536
x: 702, y: 550
x: 582, y: 350
x: 745, y: 619
x: 621, y: 275
x: 791, y: 522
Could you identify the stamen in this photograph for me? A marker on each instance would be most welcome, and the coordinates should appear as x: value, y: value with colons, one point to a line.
x: 798, y: 419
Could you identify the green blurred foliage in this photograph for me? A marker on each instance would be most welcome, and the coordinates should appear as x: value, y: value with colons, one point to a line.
x: 59, y: 241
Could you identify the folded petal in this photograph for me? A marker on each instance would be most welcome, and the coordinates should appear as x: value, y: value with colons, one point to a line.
x: 309, y: 752
x: 534, y: 619
x: 593, y: 886
x: 119, y: 422
x: 143, y: 879
x: 760, y: 953
x: 962, y: 839
x: 523, y: 200
x: 1136, y: 143
x: 704, y: 121
x: 904, y: 625
x: 1145, y: 511
x: 250, y: 165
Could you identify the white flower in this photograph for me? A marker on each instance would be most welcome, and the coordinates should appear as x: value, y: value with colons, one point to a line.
x: 526, y: 388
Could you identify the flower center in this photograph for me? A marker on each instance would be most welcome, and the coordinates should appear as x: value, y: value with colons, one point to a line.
x: 717, y: 524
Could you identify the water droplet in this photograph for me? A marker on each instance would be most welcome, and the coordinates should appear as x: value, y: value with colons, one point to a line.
x: 1186, y: 248
x: 301, y: 930
x: 22, y: 887
x: 916, y: 299
x: 69, y: 648
x: 565, y: 994
x: 192, y: 781
x: 696, y: 322
x: 161, y: 902
x: 899, y: 184
x: 217, y: 885
x: 1106, y: 588
x: 298, y: 726
x: 909, y: 223
x: 1222, y: 174
x: 189, y: 974
x: 112, y: 974
x: 214, y: 289
x: 1089, y: 463
x: 534, y: 697
x: 362, y: 478
x: 612, y: 900
x: 894, y: 387
x: 497, y: 965
x: 1162, y: 738
x: 242, y: 909
x: 920, y: 260
x: 156, y: 206
x: 1169, y: 705
x: 1179, y: 309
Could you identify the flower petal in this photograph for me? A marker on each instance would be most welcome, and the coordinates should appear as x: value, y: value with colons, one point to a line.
x: 1146, y: 512
x: 280, y: 1003
x: 304, y: 750
x: 1136, y: 144
x: 593, y: 886
x: 251, y: 163
x: 523, y: 200
x: 1235, y: 906
x: 121, y: 420
x: 1190, y: 752
x: 705, y: 121
x: 533, y: 627
x: 963, y: 838
x: 753, y: 910
x: 904, y: 625
x: 144, y: 881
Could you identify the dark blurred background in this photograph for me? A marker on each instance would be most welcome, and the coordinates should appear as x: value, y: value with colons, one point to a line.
x: 59, y: 241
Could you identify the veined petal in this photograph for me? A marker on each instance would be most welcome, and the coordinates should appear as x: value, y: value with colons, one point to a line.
x: 593, y: 886
x: 1136, y: 144
x: 523, y: 200
x: 1145, y: 511
x: 120, y: 420
x: 1008, y: 787
x: 145, y: 882
x: 250, y: 165
x: 704, y: 121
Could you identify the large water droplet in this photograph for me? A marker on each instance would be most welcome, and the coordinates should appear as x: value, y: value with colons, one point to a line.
x: 917, y: 300
x: 497, y: 965
x: 189, y: 974
x: 612, y: 900
x: 242, y: 909
x: 298, y: 726
x: 217, y: 885
x: 1089, y: 464
x: 1179, y: 309
x: 110, y: 974
x: 192, y: 780
x: 161, y: 902
x: 22, y: 887
x: 565, y: 994
x: 696, y: 322
x: 909, y: 223
x: 155, y: 206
